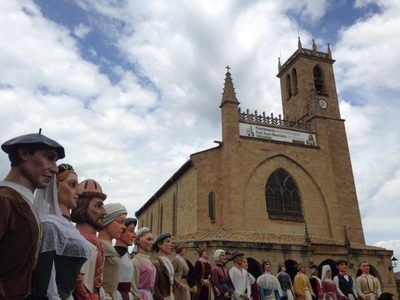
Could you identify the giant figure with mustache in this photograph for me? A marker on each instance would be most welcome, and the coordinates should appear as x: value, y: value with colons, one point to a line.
x: 89, y: 216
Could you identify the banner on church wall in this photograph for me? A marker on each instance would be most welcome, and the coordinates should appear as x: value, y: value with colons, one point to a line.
x: 277, y: 134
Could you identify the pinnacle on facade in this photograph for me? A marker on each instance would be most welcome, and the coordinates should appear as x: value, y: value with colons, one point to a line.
x: 228, y: 93
x: 299, y: 45
x: 329, y: 52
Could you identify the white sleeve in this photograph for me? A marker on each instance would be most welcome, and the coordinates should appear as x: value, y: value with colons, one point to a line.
x: 248, y: 284
x: 234, y: 278
x: 336, y: 280
x: 354, y: 287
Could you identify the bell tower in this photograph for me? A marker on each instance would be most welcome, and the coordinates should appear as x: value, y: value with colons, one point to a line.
x: 308, y: 84
x: 309, y: 94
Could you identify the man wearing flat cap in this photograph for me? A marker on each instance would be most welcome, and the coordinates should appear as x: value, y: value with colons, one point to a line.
x: 345, y: 284
x: 33, y: 160
x: 239, y: 277
x: 165, y: 281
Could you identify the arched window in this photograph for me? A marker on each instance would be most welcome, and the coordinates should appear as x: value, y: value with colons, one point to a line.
x: 282, y: 197
x: 294, y: 80
x: 318, y: 80
x: 288, y: 86
x: 211, y: 206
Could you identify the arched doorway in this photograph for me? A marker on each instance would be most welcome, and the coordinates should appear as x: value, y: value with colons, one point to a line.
x: 290, y: 268
x: 254, y: 267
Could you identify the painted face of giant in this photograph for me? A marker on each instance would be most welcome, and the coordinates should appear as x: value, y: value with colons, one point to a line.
x: 117, y: 227
x: 222, y: 257
x: 342, y: 267
x: 267, y: 266
x: 39, y: 167
x: 166, y: 246
x: 68, y: 191
x: 238, y: 259
x: 129, y: 235
x: 365, y: 268
x: 145, y: 242
x: 95, y: 213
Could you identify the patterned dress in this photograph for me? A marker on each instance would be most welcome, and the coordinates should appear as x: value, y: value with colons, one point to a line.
x: 286, y: 285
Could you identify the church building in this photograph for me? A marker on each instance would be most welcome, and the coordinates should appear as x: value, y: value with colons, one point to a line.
x: 276, y: 187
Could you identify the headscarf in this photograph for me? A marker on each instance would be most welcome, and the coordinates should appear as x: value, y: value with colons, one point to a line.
x: 114, y: 210
x: 325, y: 269
x: 139, y: 233
x: 217, y: 253
x: 142, y: 231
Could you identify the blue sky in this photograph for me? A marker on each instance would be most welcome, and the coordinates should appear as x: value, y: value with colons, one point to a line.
x: 137, y: 84
x: 338, y: 15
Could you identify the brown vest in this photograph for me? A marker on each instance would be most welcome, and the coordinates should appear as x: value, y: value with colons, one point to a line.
x: 19, y: 238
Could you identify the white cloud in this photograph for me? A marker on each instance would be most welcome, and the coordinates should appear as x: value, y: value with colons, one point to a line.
x: 81, y: 30
x: 310, y: 11
x: 40, y: 53
x: 393, y: 245
x: 365, y: 52
x: 366, y: 69
x: 315, y: 9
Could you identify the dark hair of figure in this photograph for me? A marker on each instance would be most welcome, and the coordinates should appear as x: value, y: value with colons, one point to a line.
x: 387, y: 296
x: 14, y: 157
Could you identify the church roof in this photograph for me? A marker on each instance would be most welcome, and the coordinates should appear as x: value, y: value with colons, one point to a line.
x: 229, y: 235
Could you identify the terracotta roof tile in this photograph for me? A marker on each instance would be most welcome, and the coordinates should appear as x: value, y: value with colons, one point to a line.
x: 228, y: 235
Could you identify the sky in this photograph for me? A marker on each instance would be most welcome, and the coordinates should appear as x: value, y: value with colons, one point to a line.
x: 131, y: 88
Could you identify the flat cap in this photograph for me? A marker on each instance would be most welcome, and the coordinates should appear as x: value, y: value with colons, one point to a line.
x: 33, y: 138
x: 339, y: 261
x: 159, y: 239
x: 236, y: 253
x: 129, y: 221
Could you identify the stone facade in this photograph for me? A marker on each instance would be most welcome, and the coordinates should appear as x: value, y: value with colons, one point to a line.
x: 218, y: 197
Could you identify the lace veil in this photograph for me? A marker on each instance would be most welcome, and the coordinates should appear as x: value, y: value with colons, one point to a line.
x: 59, y: 234
x: 268, y: 282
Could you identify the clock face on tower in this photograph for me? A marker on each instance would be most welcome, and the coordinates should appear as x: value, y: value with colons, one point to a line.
x: 322, y: 104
